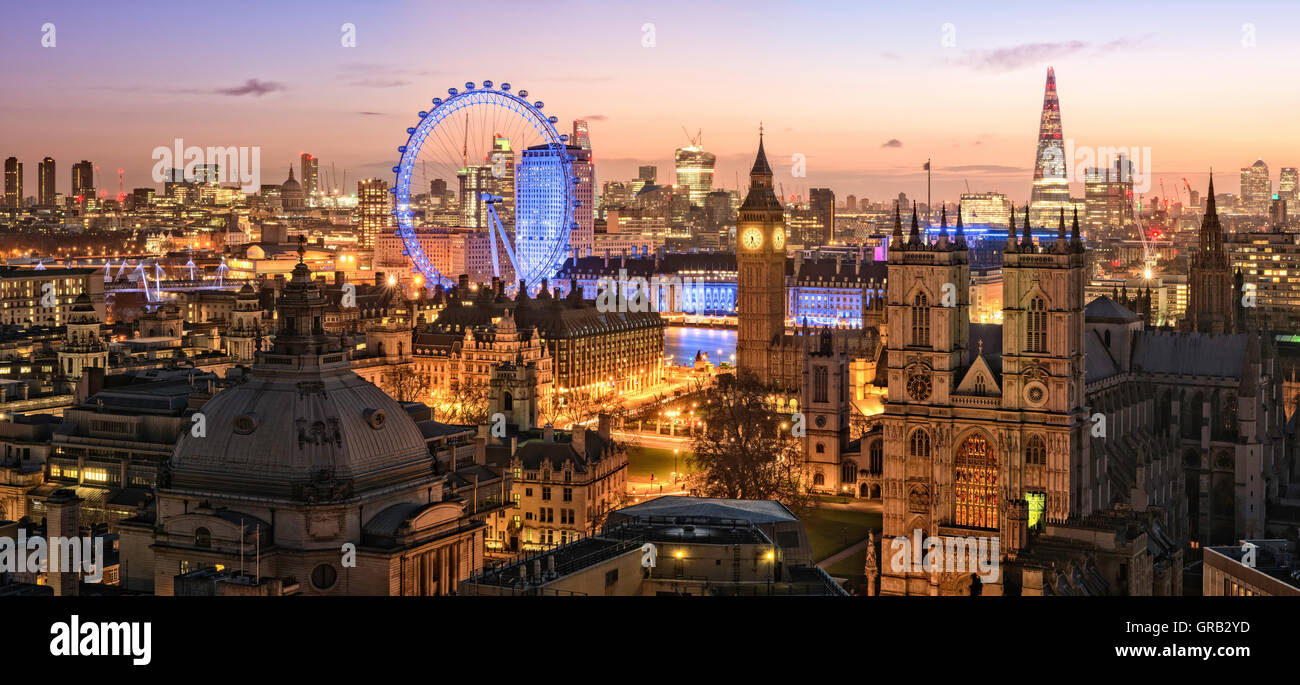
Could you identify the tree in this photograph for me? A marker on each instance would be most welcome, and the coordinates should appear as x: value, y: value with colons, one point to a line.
x: 404, y: 384
x: 744, y: 449
x: 464, y: 402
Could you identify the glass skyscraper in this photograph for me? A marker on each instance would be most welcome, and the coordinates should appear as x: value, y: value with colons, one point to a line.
x: 1051, y: 191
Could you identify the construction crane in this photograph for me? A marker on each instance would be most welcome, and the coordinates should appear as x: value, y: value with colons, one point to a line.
x: 696, y: 139
x: 1148, y: 263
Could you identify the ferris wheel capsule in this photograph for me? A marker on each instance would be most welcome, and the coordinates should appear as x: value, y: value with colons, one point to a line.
x: 422, y: 114
x: 487, y: 84
x: 538, y: 104
x: 553, y: 119
x: 396, y: 169
x: 469, y: 85
x: 410, y: 130
x: 437, y: 101
x: 523, y: 93
x: 452, y: 91
x: 505, y: 86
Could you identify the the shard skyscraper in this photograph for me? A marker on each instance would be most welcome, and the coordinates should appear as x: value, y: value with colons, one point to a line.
x: 1051, y: 192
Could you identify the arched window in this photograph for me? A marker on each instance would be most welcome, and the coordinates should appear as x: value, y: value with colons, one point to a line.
x: 1036, y: 326
x: 849, y: 472
x: 1035, y: 451
x: 819, y: 479
x: 202, y: 537
x: 507, y: 402
x: 976, y: 484
x: 979, y: 385
x: 821, y: 449
x: 877, y: 456
x: 920, y: 446
x: 921, y: 320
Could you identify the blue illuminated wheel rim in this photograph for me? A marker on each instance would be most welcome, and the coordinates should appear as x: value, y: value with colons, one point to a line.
x: 547, y: 251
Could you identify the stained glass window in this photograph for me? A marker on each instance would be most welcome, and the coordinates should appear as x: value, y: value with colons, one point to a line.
x: 975, y: 484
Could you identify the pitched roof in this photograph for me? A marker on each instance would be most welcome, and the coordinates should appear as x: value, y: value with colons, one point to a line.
x: 1105, y: 310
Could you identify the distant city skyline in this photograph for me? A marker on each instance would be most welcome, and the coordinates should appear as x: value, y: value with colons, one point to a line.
x: 865, y: 94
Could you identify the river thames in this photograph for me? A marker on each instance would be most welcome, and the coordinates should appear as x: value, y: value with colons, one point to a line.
x: 681, y: 344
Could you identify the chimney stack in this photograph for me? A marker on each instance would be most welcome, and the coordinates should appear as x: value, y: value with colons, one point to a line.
x: 62, y: 509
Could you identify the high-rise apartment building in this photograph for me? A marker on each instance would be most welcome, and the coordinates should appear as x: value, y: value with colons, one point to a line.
x: 374, y: 211
x: 581, y: 135
x: 539, y: 208
x: 1256, y: 189
x: 310, y: 177
x: 45, y: 193
x: 13, y: 198
x: 583, y: 235
x: 502, y: 181
x: 695, y: 171
x: 1051, y: 191
x: 822, y: 201
x: 83, y: 181
x: 474, y: 181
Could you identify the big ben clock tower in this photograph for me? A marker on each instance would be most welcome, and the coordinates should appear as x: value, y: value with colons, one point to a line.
x: 760, y: 265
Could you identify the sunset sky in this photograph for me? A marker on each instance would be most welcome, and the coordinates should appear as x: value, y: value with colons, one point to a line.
x: 1201, y: 84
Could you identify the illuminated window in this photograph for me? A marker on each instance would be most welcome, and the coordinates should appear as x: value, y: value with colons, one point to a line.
x: 1037, y: 507
x: 96, y: 475
x: 975, y: 484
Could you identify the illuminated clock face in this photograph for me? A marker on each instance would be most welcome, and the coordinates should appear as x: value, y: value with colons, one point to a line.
x: 752, y: 238
x: 918, y: 385
x: 778, y: 238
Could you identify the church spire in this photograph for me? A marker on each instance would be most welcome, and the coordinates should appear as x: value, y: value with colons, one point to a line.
x: 761, y: 166
x: 898, y: 222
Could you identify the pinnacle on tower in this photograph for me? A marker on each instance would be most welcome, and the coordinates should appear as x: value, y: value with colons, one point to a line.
x: 914, y: 237
x: 898, y: 222
x: 1075, y: 242
x: 961, y: 234
x: 1028, y: 240
x: 942, y: 243
x: 1011, y: 231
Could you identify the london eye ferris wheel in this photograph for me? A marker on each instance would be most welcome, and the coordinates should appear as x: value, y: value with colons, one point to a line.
x: 513, y: 182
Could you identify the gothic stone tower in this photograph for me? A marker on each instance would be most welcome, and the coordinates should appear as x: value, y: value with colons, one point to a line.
x: 825, y: 406
x: 760, y: 263
x: 979, y: 420
x: 1209, y: 278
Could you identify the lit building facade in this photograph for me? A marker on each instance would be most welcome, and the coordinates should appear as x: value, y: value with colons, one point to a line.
x: 374, y: 211
x: 1256, y: 189
x: 695, y: 171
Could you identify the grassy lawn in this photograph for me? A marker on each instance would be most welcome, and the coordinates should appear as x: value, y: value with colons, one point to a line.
x: 643, y: 461
x: 831, y: 530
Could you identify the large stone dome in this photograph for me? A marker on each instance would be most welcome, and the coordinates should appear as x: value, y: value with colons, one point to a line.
x: 306, y: 433
x: 303, y: 426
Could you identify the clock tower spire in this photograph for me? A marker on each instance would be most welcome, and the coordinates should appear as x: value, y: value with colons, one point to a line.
x: 760, y: 266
